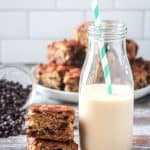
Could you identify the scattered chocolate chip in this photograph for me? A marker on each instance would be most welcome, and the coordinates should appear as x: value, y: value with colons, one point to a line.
x: 49, y: 131
x: 66, y: 117
x: 63, y: 126
x: 12, y: 97
x: 33, y: 133
x: 30, y: 127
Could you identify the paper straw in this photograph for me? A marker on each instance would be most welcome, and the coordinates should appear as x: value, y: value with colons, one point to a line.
x: 103, y: 56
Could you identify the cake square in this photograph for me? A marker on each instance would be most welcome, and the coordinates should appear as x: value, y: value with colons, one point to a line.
x: 140, y: 71
x: 51, y: 75
x: 58, y: 76
x: 80, y: 33
x: 67, y: 52
x: 53, y: 122
x: 132, y: 49
x: 71, y: 80
x: 39, y: 144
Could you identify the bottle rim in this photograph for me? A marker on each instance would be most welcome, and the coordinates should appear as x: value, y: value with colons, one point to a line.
x: 108, y: 30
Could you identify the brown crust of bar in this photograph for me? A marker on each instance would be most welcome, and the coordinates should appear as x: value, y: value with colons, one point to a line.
x: 38, y: 144
x: 40, y: 108
x: 50, y: 116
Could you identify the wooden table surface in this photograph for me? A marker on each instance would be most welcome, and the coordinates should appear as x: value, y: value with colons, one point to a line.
x: 141, y: 129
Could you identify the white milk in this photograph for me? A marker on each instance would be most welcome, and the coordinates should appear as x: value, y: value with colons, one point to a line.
x: 106, y: 120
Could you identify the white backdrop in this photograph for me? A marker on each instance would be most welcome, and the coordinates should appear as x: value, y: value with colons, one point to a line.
x: 26, y: 26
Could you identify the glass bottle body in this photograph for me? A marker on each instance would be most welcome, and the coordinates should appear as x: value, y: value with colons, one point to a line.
x: 105, y: 119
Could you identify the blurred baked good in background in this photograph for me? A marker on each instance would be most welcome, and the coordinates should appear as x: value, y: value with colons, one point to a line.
x: 140, y: 67
x: 66, y: 52
x: 65, y: 59
x: 62, y: 71
x: 132, y: 48
x: 141, y: 72
x: 80, y: 33
x: 71, y: 79
x: 58, y: 76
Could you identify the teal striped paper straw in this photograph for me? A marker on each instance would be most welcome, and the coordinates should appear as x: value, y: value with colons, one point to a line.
x: 103, y: 56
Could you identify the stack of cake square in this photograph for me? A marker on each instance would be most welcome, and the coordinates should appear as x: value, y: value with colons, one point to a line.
x: 50, y: 127
x: 58, y: 77
x: 63, y: 68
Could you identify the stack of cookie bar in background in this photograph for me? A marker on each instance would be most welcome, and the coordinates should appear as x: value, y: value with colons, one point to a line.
x: 58, y: 76
x: 67, y: 52
x: 66, y: 58
x: 80, y: 34
x: 50, y: 127
x: 140, y: 67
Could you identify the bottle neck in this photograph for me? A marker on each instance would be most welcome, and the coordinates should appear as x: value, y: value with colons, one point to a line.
x: 117, y: 45
x: 108, y: 31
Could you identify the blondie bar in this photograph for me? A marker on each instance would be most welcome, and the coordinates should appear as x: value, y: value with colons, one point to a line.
x: 71, y: 80
x: 53, y: 122
x: 58, y: 76
x: 80, y: 33
x: 67, y: 52
x: 40, y: 144
x: 132, y: 49
x: 141, y: 72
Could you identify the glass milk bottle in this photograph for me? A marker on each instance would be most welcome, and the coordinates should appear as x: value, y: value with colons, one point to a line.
x: 106, y: 119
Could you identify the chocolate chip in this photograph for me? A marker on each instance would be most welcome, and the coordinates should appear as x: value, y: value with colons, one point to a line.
x: 12, y: 96
x: 63, y: 126
x: 33, y: 133
x: 66, y: 117
x: 49, y: 131
x: 30, y: 128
